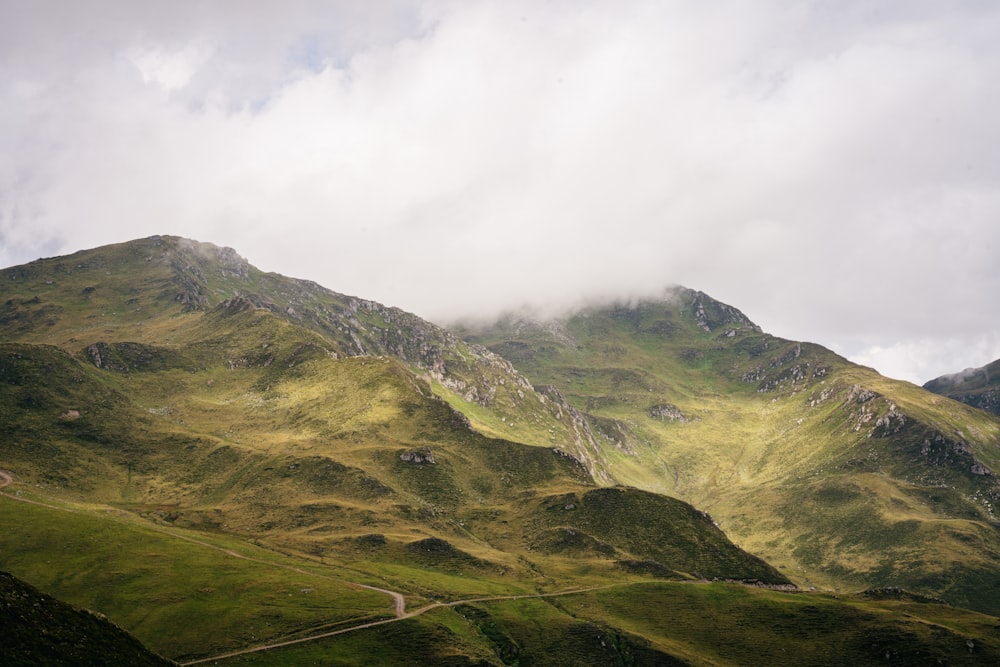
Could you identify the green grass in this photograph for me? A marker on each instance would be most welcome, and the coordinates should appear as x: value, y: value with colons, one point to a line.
x: 439, y: 637
x: 251, y: 423
x: 39, y: 630
x: 669, y: 623
x: 728, y: 625
x: 768, y: 434
x: 181, y: 599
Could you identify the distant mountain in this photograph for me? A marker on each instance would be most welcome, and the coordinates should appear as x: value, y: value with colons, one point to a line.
x: 978, y: 387
x: 40, y: 630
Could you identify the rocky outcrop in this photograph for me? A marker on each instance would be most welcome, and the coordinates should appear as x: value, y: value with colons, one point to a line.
x: 667, y: 412
x: 585, y: 446
x: 711, y: 315
x: 422, y: 456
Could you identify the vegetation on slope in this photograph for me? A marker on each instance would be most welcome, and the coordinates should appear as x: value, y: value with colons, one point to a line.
x: 163, y: 385
x: 842, y: 477
x: 40, y: 630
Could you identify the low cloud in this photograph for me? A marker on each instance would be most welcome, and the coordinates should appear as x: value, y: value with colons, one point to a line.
x: 829, y: 169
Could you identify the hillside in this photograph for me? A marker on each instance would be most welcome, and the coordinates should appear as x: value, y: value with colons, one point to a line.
x: 978, y: 387
x: 200, y: 595
x: 841, y: 477
x: 170, y: 384
x: 39, y: 630
x: 223, y: 460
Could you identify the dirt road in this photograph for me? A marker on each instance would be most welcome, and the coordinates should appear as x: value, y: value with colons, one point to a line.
x: 399, y: 617
x: 399, y: 602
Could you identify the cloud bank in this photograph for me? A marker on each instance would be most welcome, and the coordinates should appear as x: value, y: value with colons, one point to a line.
x: 832, y: 169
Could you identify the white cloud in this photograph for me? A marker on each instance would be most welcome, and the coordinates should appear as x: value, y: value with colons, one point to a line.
x: 829, y: 169
x: 171, y: 68
x: 920, y: 359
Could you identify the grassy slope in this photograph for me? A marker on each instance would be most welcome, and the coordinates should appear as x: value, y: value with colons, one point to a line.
x: 669, y: 624
x: 40, y: 630
x: 222, y: 602
x: 156, y: 394
x: 182, y: 599
x: 154, y: 289
x: 842, y: 477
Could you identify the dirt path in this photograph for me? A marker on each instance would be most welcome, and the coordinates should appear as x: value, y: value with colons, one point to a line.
x: 399, y: 617
x: 7, y: 478
x: 399, y: 601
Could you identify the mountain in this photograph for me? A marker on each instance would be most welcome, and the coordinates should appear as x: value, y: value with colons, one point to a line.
x: 841, y: 477
x: 222, y: 460
x: 174, y: 382
x: 40, y: 630
x: 978, y: 387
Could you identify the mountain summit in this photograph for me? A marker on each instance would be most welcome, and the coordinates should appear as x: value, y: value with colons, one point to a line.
x: 823, y: 467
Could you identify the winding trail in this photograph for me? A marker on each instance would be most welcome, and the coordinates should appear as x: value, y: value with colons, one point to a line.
x: 7, y: 478
x: 399, y: 601
x: 403, y: 616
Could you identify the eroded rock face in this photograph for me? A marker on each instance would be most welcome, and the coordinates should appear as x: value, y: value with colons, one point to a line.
x: 988, y: 399
x: 712, y: 315
x: 421, y: 456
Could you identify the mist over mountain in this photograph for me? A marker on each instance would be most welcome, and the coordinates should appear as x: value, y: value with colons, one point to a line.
x: 273, y: 461
x: 979, y: 387
x: 456, y: 158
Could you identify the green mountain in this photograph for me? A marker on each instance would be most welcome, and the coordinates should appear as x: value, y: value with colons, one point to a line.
x: 222, y: 460
x: 978, y: 387
x: 40, y: 630
x: 841, y: 477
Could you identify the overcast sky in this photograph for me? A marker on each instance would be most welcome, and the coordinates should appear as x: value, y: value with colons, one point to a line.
x: 831, y: 168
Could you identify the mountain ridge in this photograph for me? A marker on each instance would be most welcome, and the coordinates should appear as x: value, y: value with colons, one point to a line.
x: 978, y: 387
x: 172, y: 384
x: 731, y: 416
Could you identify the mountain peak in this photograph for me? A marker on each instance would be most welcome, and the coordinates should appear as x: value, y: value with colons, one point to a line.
x: 675, y: 394
x: 712, y: 315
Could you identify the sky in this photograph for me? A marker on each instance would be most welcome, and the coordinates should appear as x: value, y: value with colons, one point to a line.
x: 831, y: 168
